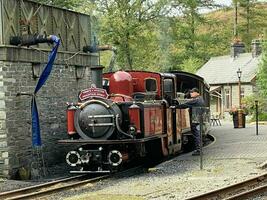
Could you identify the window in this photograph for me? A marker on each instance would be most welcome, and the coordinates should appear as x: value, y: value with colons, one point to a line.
x: 168, y: 85
x: 106, y: 84
x: 151, y: 85
x: 242, y: 93
x: 227, y: 98
x: 168, y: 89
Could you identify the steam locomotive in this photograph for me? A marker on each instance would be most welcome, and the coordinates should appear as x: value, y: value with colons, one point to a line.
x: 127, y: 116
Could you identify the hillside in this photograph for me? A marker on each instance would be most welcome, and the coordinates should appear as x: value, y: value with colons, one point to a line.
x: 247, y: 30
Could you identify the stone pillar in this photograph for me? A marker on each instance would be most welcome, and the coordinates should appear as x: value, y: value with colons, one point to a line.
x: 4, y: 156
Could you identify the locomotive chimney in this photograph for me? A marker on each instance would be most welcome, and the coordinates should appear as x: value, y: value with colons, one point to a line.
x: 96, y: 74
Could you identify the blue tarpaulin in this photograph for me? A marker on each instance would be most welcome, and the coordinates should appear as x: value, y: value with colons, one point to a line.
x: 36, y: 134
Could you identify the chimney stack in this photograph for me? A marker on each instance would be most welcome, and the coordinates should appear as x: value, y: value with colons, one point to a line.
x: 256, y: 48
x: 237, y: 48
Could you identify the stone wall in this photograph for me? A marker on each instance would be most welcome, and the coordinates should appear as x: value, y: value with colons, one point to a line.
x: 248, y: 90
x: 15, y: 111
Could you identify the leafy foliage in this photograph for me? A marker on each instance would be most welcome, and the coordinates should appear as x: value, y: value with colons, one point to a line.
x: 262, y: 74
x: 187, y: 34
x: 249, y: 103
x: 251, y: 23
x: 130, y: 26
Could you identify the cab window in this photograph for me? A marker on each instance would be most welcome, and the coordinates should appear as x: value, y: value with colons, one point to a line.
x: 151, y: 85
x: 168, y: 87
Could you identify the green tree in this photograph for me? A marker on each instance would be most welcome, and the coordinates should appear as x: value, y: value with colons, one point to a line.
x: 188, y: 35
x: 250, y: 21
x: 130, y: 26
x: 191, y: 64
x: 262, y: 74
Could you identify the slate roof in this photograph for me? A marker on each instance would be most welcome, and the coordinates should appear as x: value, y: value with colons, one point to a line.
x: 222, y: 69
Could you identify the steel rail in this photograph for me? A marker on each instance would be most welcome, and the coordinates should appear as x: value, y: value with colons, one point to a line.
x: 48, y: 188
x: 249, y: 193
x: 236, y: 191
x: 35, y: 187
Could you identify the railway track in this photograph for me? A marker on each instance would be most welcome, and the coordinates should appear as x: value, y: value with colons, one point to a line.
x: 46, y: 189
x: 243, y: 190
x: 49, y: 187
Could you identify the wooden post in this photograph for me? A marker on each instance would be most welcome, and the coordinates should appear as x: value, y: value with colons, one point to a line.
x: 257, y: 118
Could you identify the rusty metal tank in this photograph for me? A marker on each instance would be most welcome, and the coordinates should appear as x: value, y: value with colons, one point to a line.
x: 97, y: 119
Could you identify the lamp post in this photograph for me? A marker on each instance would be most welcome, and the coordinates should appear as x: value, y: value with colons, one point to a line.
x: 239, y: 113
x: 257, y: 119
x: 239, y: 72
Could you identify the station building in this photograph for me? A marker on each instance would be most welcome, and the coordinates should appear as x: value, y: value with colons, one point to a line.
x: 221, y: 74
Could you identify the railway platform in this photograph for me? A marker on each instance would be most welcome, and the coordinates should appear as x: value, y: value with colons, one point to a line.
x: 235, y: 155
x: 240, y: 143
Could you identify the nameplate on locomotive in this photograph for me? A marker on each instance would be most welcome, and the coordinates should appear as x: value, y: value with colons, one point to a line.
x: 93, y: 92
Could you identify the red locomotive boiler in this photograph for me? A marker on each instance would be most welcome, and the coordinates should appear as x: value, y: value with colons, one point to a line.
x: 130, y: 116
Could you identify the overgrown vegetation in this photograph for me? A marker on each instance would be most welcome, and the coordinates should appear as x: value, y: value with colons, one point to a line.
x: 262, y: 83
x: 249, y: 103
x: 262, y: 74
x: 261, y: 95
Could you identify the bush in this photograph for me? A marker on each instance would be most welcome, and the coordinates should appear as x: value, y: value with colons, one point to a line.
x: 262, y: 117
x: 249, y: 103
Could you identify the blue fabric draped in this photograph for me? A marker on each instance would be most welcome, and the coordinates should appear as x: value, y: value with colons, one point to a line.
x: 36, y: 133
